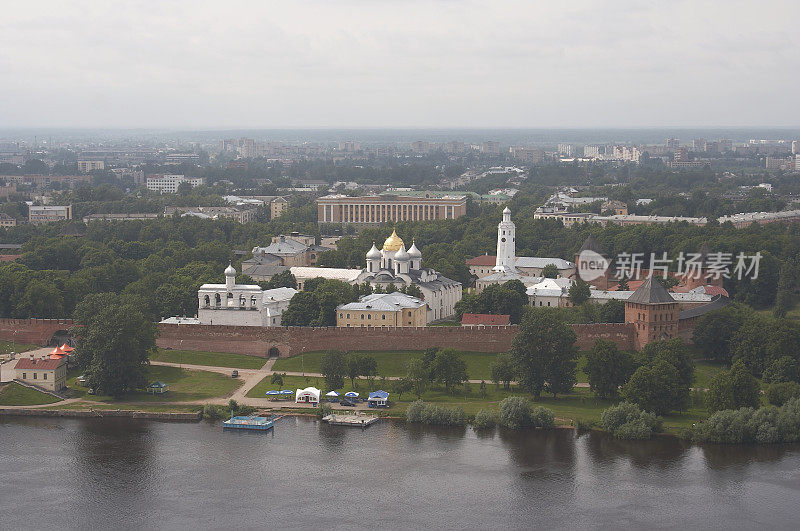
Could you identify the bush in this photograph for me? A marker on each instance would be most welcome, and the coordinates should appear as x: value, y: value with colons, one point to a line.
x: 324, y: 409
x: 423, y: 413
x: 583, y: 425
x: 784, y: 369
x: 484, y: 420
x: 764, y: 425
x: 779, y: 393
x: 214, y: 412
x: 627, y: 421
x: 541, y: 417
x: 515, y: 412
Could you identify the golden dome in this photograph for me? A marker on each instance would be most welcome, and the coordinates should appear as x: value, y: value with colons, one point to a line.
x: 392, y: 243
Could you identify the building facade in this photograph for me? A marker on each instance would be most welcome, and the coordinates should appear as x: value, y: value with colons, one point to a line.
x: 86, y: 166
x: 383, y: 310
x: 241, y: 304
x: 46, y: 373
x: 168, y: 184
x: 653, y: 313
x: 390, y: 208
x: 48, y: 213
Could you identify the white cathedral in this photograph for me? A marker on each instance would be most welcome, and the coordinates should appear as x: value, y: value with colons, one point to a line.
x: 393, y: 264
x: 241, y: 304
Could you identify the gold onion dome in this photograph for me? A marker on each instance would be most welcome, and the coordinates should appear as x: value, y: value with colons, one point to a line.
x: 393, y: 242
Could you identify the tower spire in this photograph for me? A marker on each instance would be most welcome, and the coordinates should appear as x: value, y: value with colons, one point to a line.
x: 506, y: 243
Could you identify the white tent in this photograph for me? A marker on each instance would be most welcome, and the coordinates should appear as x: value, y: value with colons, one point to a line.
x: 309, y: 394
x: 332, y: 394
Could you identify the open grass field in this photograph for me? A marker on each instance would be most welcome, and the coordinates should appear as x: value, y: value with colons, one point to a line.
x: 209, y: 359
x: 390, y: 362
x: 184, y: 385
x: 13, y: 394
x: 704, y: 372
x: 7, y: 347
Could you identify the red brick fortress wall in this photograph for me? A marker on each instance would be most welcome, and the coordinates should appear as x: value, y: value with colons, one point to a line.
x: 289, y: 341
x: 34, y: 331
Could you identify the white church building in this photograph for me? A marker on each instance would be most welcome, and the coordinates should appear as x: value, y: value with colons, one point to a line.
x: 393, y: 264
x: 241, y: 304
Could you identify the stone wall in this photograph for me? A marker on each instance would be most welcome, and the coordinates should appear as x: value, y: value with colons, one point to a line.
x: 34, y: 331
x: 289, y: 341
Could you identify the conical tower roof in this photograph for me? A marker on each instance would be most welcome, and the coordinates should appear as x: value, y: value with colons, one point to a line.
x: 591, y: 244
x: 651, y: 292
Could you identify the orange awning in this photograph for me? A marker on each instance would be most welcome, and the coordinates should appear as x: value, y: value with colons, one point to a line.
x: 57, y: 351
x: 66, y: 348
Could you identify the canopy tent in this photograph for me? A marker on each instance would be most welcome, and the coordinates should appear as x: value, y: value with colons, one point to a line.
x: 273, y: 393
x: 158, y: 388
x: 378, y: 399
x: 57, y: 353
x: 332, y: 394
x: 287, y: 392
x: 66, y: 348
x: 351, y: 394
x: 307, y: 395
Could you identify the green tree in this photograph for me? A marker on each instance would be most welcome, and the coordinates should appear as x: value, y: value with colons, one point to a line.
x: 449, y: 368
x: 332, y: 367
x: 418, y: 374
x: 353, y: 365
x: 284, y: 279
x: 542, y: 349
x: 608, y: 368
x: 657, y: 387
x: 733, y: 389
x: 403, y: 385
x: 550, y: 271
x: 277, y: 378
x: 676, y: 353
x: 579, y: 292
x: 783, y: 369
x: 368, y: 366
x: 302, y: 309
x: 714, y: 331
x: 114, y: 342
x: 502, y: 370
x: 41, y: 299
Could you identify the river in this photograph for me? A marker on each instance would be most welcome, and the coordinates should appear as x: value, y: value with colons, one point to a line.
x: 123, y: 473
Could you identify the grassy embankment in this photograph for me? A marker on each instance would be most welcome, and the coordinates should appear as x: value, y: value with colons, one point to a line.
x: 13, y: 394
x: 184, y: 386
x: 209, y: 359
x: 7, y: 347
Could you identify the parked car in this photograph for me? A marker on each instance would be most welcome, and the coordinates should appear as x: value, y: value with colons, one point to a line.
x: 347, y: 402
x: 235, y: 374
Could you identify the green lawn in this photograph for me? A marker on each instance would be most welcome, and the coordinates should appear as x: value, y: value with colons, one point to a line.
x: 184, y: 385
x: 704, y: 372
x: 7, y: 347
x: 13, y: 394
x: 390, y: 363
x: 209, y: 359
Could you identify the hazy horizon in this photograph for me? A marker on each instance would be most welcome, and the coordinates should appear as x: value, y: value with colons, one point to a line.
x: 355, y: 64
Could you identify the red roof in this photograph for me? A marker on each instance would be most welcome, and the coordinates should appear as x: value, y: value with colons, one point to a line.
x: 47, y: 365
x: 715, y: 290
x: 485, y: 319
x: 9, y: 257
x: 482, y: 260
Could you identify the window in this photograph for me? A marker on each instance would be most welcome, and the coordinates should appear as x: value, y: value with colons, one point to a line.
x: 34, y: 376
x: 348, y: 316
x: 207, y: 300
x: 369, y: 316
x: 383, y: 317
x: 44, y: 376
x: 24, y: 375
x: 341, y: 315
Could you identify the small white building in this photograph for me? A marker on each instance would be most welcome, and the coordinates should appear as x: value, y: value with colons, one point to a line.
x: 241, y: 304
x: 309, y: 395
x: 168, y: 184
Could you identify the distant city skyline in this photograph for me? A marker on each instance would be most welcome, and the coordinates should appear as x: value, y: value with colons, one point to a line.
x: 354, y: 64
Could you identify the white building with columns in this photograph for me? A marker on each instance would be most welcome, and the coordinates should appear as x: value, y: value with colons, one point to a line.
x: 241, y: 304
x: 395, y: 265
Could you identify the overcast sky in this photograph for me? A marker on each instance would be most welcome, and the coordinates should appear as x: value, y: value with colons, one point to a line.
x: 398, y: 63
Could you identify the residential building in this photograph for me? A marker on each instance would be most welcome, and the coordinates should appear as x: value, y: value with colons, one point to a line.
x: 7, y: 221
x: 242, y: 215
x: 744, y: 220
x: 420, y: 146
x: 48, y: 181
x: 277, y: 207
x: 303, y: 274
x: 490, y: 147
x: 594, y: 152
x: 49, y: 374
x: 565, y: 150
x: 119, y: 217
x: 235, y: 304
x: 168, y: 183
x: 292, y: 250
x: 454, y: 147
x: 672, y: 144
x: 47, y: 213
x: 390, y: 207
x: 86, y: 166
x: 383, y: 310
x: 349, y: 146
x: 524, y: 154
x: 550, y: 293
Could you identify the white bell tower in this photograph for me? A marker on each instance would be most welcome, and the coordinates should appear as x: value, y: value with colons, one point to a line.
x: 506, y: 243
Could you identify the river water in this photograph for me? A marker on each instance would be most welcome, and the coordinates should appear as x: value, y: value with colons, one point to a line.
x: 123, y: 473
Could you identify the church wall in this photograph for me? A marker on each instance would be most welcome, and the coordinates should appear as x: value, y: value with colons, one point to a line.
x: 231, y: 317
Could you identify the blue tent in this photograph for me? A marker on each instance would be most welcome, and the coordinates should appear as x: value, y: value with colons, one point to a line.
x: 351, y: 394
x: 273, y: 393
x: 378, y: 399
x: 287, y: 392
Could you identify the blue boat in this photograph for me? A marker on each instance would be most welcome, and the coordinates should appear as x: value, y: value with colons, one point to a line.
x: 249, y: 423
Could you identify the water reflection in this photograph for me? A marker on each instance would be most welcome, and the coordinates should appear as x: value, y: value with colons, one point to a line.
x: 662, y: 452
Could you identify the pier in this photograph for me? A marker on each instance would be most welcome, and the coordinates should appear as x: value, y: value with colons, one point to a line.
x: 350, y: 420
